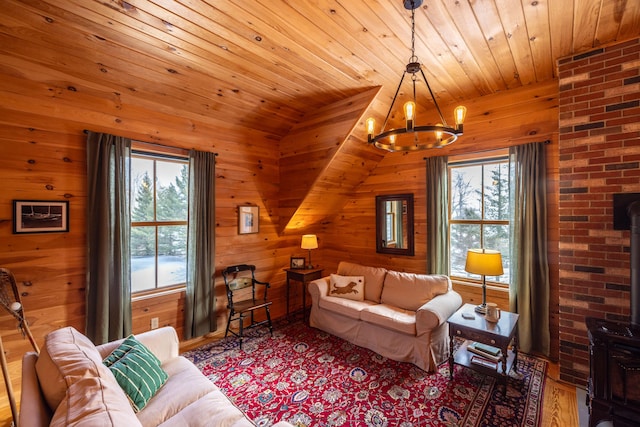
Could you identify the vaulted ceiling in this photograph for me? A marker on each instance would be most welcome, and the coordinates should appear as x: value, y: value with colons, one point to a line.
x: 264, y: 65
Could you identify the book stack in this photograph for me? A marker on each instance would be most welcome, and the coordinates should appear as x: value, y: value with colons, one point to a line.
x: 484, y: 354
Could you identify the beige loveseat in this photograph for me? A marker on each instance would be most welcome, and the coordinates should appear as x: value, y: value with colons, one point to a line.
x: 69, y: 385
x: 401, y: 316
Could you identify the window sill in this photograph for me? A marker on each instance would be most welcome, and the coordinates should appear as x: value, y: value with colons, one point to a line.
x: 140, y: 296
x: 493, y: 287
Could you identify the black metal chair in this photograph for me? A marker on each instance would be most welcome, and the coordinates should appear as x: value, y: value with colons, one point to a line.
x: 245, y: 295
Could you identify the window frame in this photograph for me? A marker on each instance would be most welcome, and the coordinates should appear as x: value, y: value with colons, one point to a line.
x: 497, y: 157
x: 142, y: 150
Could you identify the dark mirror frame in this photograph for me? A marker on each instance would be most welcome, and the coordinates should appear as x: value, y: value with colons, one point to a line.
x: 380, y: 224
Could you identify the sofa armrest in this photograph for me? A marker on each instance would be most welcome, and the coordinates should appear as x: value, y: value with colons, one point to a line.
x: 34, y: 411
x: 436, y: 311
x: 319, y: 287
x: 163, y: 343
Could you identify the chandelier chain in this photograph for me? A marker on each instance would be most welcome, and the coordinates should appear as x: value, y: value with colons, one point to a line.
x: 413, y: 58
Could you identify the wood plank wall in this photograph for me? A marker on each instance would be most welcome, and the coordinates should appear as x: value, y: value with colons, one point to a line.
x: 42, y: 157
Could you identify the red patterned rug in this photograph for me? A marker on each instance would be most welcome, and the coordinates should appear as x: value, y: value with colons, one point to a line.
x: 310, y: 378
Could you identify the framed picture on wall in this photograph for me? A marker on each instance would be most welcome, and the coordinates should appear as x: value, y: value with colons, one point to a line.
x: 40, y: 216
x: 248, y: 219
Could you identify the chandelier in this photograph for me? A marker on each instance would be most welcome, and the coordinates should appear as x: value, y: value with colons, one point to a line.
x: 413, y: 137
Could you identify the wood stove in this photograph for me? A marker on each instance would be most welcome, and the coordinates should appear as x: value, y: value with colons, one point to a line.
x: 614, y: 382
x: 614, y: 348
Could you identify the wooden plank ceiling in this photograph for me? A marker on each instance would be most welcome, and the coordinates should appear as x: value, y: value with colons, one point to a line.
x: 263, y: 65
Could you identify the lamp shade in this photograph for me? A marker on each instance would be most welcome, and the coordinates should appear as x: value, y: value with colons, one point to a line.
x: 309, y: 241
x: 484, y: 261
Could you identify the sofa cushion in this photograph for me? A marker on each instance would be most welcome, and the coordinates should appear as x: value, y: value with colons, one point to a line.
x: 349, y: 287
x: 390, y: 317
x: 373, y: 278
x: 343, y: 306
x: 94, y: 402
x: 138, y: 372
x: 77, y: 386
x: 66, y: 356
x: 410, y: 291
x: 185, y: 381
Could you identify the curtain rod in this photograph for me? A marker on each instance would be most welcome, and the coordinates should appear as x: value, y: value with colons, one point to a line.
x: 545, y: 142
x: 86, y: 131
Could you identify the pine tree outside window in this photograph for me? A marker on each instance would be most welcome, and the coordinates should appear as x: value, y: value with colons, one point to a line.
x: 159, y: 220
x: 479, y: 208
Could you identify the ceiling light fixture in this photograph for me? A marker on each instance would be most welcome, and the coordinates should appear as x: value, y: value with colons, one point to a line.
x: 413, y: 137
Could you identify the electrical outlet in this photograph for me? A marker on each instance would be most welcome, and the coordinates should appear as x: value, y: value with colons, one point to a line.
x: 154, y: 323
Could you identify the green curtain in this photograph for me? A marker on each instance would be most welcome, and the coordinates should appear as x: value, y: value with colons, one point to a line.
x: 529, y: 270
x: 437, y: 215
x: 108, y: 293
x: 200, y: 316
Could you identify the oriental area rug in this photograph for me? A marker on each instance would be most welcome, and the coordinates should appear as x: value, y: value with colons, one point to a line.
x: 310, y: 378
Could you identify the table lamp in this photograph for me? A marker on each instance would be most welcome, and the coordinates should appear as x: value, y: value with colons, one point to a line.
x: 486, y: 262
x: 309, y: 241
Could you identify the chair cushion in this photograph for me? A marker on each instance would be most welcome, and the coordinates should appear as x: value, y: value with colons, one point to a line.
x: 410, y: 291
x: 349, y: 287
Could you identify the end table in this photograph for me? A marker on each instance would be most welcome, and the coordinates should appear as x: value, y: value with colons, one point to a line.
x: 496, y: 334
x: 303, y: 276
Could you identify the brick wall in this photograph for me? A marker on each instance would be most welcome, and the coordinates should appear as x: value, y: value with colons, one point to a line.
x: 599, y: 155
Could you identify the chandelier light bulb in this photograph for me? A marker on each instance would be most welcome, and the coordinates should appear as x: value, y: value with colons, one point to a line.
x: 460, y: 113
x: 410, y: 113
x: 371, y: 124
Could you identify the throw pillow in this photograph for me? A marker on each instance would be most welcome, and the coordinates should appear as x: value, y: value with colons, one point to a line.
x: 137, y: 371
x: 127, y: 345
x: 349, y: 287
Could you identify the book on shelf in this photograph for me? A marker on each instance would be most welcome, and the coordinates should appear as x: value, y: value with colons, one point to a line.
x: 479, y: 349
x: 484, y: 362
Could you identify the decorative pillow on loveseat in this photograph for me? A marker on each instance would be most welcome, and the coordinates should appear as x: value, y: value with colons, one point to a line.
x: 349, y: 287
x: 137, y: 371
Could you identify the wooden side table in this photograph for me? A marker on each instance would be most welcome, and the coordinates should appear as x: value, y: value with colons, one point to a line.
x: 303, y: 276
x: 496, y: 334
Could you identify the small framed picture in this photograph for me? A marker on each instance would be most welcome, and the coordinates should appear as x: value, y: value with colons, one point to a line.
x: 40, y: 216
x: 248, y: 219
x: 298, y: 263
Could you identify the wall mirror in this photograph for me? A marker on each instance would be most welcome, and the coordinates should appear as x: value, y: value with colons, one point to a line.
x: 394, y: 224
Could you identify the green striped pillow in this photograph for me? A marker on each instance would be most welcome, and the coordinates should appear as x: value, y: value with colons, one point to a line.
x: 117, y: 354
x: 137, y: 371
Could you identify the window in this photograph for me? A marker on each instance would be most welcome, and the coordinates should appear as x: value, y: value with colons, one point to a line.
x: 159, y: 219
x: 479, y: 209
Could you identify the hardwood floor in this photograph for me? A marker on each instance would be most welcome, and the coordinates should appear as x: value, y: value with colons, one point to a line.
x: 560, y: 407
